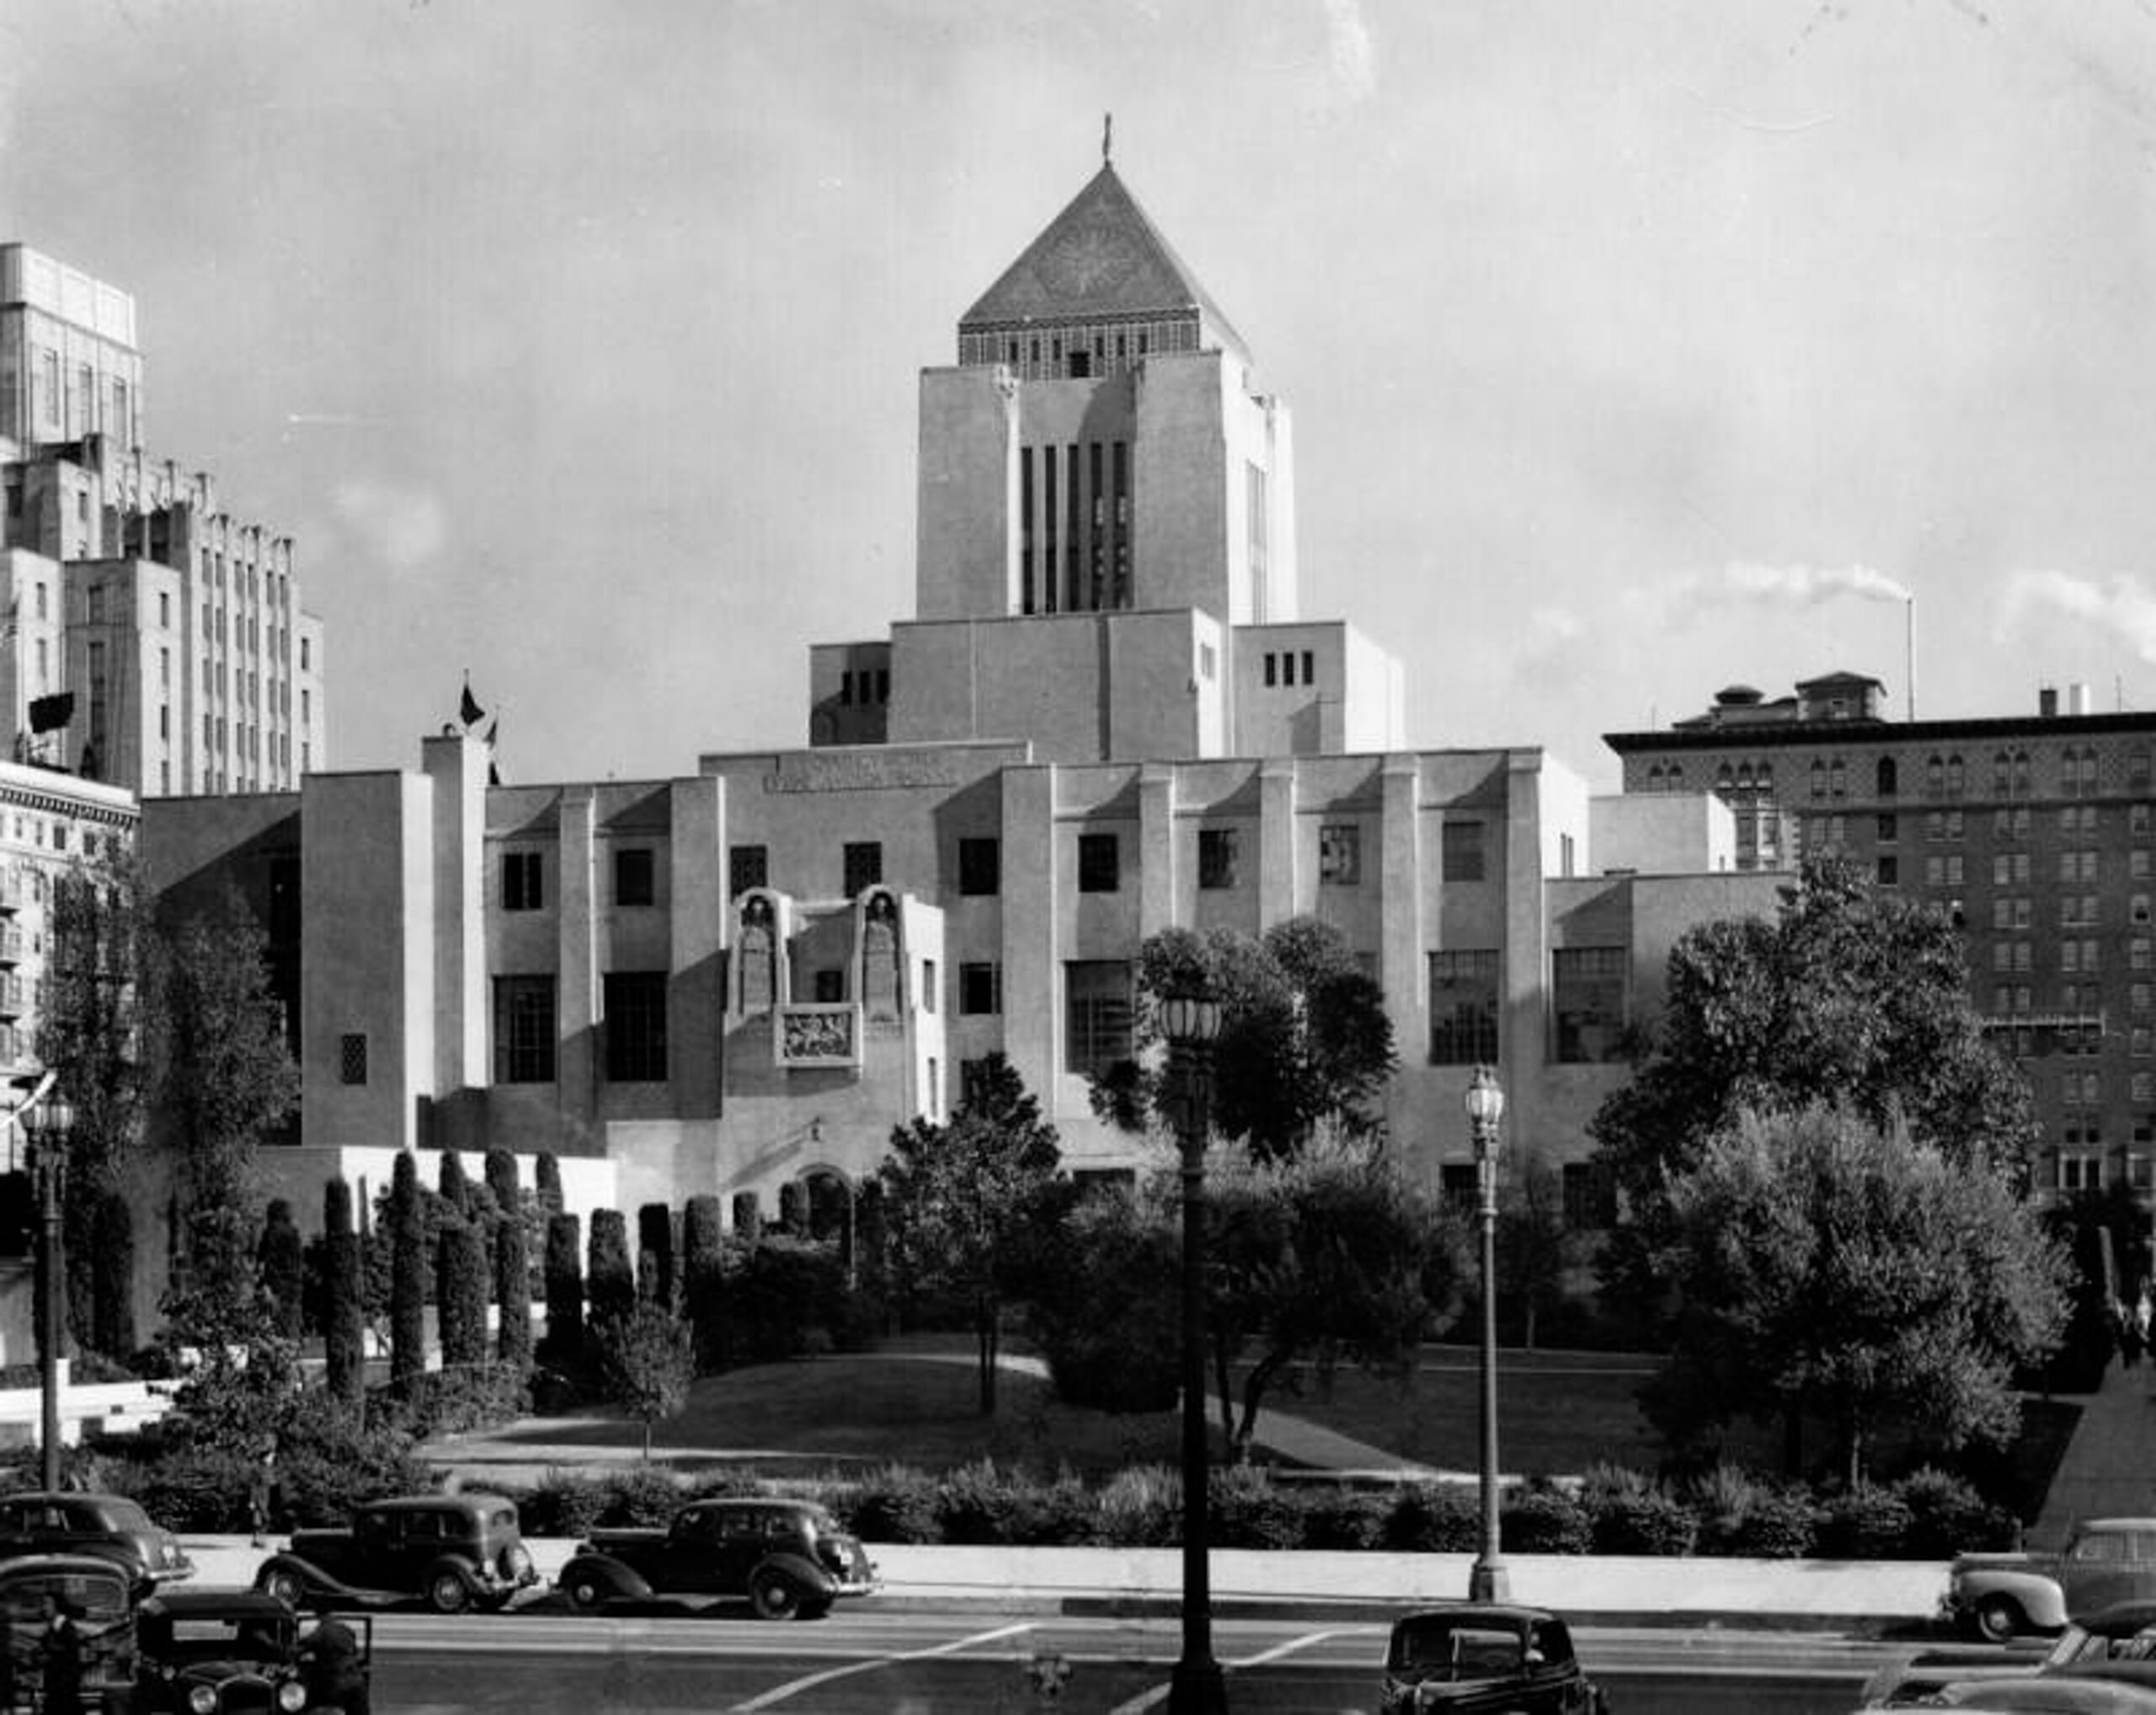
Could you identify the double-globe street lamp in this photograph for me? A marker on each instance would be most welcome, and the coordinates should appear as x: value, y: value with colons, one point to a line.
x: 1486, y: 1108
x: 1191, y: 1023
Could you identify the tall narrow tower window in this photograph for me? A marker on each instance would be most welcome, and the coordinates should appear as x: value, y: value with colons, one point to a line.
x: 1258, y: 541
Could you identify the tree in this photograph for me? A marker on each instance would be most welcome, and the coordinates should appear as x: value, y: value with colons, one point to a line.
x: 1533, y: 1244
x: 1826, y: 1265
x: 1305, y: 1041
x: 224, y: 1075
x: 454, y: 1188
x: 702, y: 1276
x: 547, y: 1173
x: 655, y: 1241
x: 610, y: 1283
x: 1103, y: 1297
x: 1853, y: 995
x: 1331, y: 1256
x: 461, y: 1296
x: 408, y: 1274
x: 240, y: 1374
x: 959, y: 1202
x: 512, y: 1265
x: 563, y: 1346
x: 90, y: 1035
x: 647, y: 1361
x: 281, y: 1259
x: 342, y: 1349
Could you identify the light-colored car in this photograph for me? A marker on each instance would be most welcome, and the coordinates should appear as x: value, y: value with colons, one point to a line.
x: 2104, y: 1561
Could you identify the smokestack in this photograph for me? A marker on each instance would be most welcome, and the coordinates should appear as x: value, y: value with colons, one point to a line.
x: 2047, y: 701
x: 2078, y: 700
x: 1909, y: 636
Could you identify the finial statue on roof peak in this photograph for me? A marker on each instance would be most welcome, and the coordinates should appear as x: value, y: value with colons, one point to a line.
x: 1107, y: 135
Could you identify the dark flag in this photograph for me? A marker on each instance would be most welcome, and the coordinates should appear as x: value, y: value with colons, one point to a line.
x: 469, y: 710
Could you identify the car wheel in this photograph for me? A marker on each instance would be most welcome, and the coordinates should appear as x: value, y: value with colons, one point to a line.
x: 775, y: 1595
x: 285, y: 1586
x: 2000, y: 1618
x: 447, y: 1593
x: 585, y: 1590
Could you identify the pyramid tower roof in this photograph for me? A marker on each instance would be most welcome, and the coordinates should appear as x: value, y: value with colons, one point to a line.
x: 1101, y: 257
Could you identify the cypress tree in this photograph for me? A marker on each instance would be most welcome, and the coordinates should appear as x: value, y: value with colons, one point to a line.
x: 793, y: 1209
x: 549, y: 1180
x: 512, y: 1264
x: 700, y: 1278
x: 655, y: 1271
x: 461, y: 1295
x: 112, y: 1276
x: 610, y: 1286
x: 455, y: 1188
x: 564, y: 1343
x: 747, y: 1218
x: 408, y: 1274
x: 342, y: 1347
x: 282, y: 1260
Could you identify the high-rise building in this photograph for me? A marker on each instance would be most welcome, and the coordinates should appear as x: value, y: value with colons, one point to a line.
x: 2036, y: 833
x: 150, y: 639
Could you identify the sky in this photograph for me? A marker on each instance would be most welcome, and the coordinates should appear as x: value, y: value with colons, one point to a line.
x: 1634, y: 350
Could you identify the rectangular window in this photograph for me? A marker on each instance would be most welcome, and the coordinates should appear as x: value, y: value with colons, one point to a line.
x: 2080, y: 1172
x: 828, y: 985
x: 1098, y: 871
x: 1340, y: 854
x: 524, y: 1029
x: 1216, y: 857
x: 1097, y: 1014
x: 864, y: 867
x: 1464, y: 1007
x: 747, y: 867
x: 522, y: 890
x: 981, y: 989
x: 927, y: 985
x: 635, y: 876
x: 1588, y: 985
x: 980, y: 867
x: 1463, y: 854
x: 636, y: 1027
x: 1272, y: 668
x: 352, y: 1058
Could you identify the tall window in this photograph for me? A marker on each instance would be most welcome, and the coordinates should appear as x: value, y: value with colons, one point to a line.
x: 1463, y: 857
x: 1464, y: 1007
x: 524, y: 1029
x: 747, y: 867
x: 520, y: 882
x: 1098, y: 870
x: 1589, y: 986
x: 1095, y: 1014
x: 981, y: 988
x: 635, y: 876
x: 864, y: 866
x: 352, y: 1058
x: 980, y: 867
x: 1340, y: 854
x: 1216, y: 857
x: 636, y: 1027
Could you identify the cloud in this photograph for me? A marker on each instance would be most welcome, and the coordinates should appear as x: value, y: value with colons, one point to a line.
x: 1354, y: 57
x: 2122, y: 606
x: 403, y: 527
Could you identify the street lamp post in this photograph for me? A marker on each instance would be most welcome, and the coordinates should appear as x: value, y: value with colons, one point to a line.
x: 48, y: 1124
x: 1485, y: 1107
x: 1191, y: 1023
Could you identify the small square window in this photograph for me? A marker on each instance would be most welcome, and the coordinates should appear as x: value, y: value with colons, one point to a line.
x: 1098, y: 869
x: 981, y: 989
x: 864, y: 866
x: 1462, y: 857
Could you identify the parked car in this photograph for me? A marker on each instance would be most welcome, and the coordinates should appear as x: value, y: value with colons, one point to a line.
x: 789, y: 1558
x: 2058, y: 1695
x: 1911, y: 1680
x: 98, y: 1593
x: 221, y: 1652
x: 1485, y: 1656
x: 453, y: 1552
x: 2104, y: 1561
x: 111, y: 1526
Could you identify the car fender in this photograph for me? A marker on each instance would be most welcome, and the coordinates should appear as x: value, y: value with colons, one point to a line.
x: 801, y: 1569
x: 2039, y: 1594
x: 622, y: 1581
x: 317, y: 1580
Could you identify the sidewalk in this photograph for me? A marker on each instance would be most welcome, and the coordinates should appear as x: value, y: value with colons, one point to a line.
x: 2108, y: 1470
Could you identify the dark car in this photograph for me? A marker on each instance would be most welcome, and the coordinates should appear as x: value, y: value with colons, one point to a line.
x: 98, y: 1595
x: 111, y: 1526
x: 221, y: 1652
x: 453, y: 1552
x: 789, y: 1558
x: 1485, y: 1656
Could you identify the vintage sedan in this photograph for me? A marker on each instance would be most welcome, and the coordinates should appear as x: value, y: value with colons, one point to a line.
x: 453, y: 1552
x: 111, y: 1526
x: 789, y: 1558
x: 98, y: 1594
x: 220, y: 1652
x: 1475, y: 1657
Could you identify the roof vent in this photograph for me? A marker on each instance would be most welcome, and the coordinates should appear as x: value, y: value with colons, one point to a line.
x: 1737, y: 696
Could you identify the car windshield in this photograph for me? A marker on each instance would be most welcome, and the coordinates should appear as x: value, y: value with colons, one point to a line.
x: 207, y: 1639
x: 1453, y: 1649
x: 99, y: 1599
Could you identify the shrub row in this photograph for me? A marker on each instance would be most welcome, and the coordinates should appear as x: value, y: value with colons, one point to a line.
x: 1926, y: 1516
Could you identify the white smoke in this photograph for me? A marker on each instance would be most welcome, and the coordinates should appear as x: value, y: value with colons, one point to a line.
x: 1805, y: 586
x: 1354, y: 57
x: 2122, y: 606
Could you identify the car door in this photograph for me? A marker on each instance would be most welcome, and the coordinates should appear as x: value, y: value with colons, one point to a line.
x: 741, y: 1548
x: 15, y: 1536
x: 686, y: 1556
x: 2097, y: 1571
